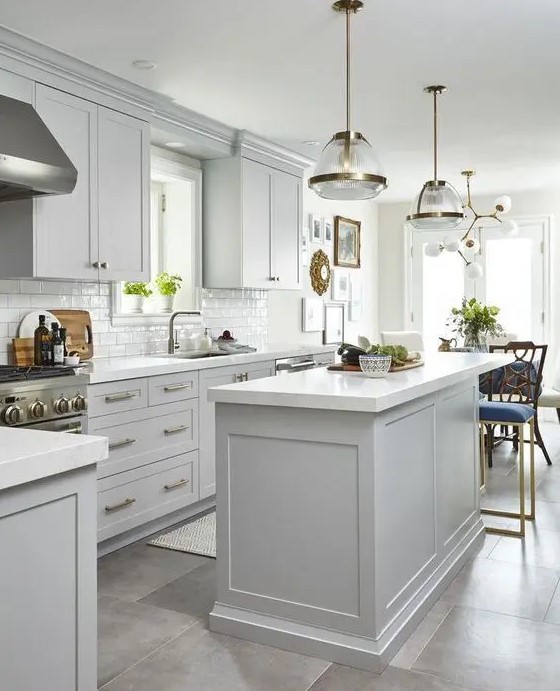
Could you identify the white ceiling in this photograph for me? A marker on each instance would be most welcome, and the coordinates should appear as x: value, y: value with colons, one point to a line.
x: 276, y: 68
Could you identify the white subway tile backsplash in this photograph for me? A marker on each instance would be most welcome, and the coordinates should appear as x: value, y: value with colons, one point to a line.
x: 27, y: 286
x: 9, y: 286
x: 244, y: 312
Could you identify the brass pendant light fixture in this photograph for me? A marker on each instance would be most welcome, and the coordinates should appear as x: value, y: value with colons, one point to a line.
x: 438, y: 204
x: 348, y: 168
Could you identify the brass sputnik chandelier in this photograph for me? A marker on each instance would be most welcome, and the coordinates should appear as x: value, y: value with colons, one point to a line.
x: 348, y: 168
x: 467, y: 244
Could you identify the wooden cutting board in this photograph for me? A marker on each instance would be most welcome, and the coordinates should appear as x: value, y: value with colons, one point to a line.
x: 78, y: 331
x: 23, y: 351
x: 356, y: 368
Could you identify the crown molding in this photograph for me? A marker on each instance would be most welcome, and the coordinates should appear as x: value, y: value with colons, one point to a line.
x: 39, y: 62
x: 251, y: 145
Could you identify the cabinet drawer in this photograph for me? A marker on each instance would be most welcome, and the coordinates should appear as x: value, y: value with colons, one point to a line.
x: 116, y: 397
x: 141, y: 437
x: 164, y: 487
x: 168, y: 388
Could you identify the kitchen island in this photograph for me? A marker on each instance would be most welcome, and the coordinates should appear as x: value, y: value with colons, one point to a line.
x: 345, y: 505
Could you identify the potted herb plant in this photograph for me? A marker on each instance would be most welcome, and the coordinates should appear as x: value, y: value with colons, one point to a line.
x: 167, y: 285
x: 134, y: 294
x: 475, y: 322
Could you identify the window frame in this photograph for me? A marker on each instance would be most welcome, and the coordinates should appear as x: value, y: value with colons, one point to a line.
x: 545, y: 221
x: 179, y: 168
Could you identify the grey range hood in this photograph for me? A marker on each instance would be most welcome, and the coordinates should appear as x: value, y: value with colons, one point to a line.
x: 32, y: 162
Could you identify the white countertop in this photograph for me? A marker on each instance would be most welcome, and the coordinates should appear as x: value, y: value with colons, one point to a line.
x: 28, y: 455
x: 354, y: 391
x: 102, y: 370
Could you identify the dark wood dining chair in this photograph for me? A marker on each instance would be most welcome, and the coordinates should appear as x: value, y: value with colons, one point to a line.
x: 518, y: 382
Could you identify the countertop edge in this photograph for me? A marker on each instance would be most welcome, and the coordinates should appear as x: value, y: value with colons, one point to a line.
x: 243, y: 394
x: 38, y: 462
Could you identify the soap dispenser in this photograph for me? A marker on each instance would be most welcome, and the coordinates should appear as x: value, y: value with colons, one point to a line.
x: 205, y: 341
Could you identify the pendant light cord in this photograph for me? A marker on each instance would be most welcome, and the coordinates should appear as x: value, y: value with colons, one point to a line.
x: 435, y: 136
x: 348, y: 69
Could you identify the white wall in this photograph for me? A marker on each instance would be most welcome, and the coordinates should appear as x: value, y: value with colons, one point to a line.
x: 284, y: 307
x: 392, y: 265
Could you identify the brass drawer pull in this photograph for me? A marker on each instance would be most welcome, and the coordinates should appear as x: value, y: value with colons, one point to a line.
x: 174, y: 485
x: 122, y: 442
x: 174, y: 430
x: 177, y: 387
x: 119, y: 396
x: 127, y: 502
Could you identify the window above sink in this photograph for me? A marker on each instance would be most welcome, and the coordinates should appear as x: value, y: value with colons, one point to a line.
x: 175, y: 238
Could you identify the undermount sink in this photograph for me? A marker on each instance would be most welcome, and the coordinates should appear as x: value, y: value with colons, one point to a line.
x: 193, y: 354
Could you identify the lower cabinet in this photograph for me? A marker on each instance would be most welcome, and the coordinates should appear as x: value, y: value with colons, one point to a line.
x: 151, y: 424
x: 127, y: 500
x: 48, y: 601
x: 161, y: 443
x: 207, y: 442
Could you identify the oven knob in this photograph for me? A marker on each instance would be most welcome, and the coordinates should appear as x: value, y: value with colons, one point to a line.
x: 62, y: 405
x: 37, y: 409
x: 12, y: 415
x: 79, y: 403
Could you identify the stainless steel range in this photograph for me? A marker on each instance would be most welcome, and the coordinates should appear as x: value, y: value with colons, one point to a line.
x: 43, y: 398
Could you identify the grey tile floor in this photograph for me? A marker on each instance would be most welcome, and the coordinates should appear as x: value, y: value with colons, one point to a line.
x: 496, y: 627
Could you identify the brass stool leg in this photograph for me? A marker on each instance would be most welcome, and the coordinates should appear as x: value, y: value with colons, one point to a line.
x: 521, y: 516
x: 531, y: 516
x: 521, y: 480
x: 482, y: 458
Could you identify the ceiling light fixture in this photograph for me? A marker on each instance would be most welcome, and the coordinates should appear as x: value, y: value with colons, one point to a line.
x: 468, y: 246
x: 348, y: 168
x: 174, y: 145
x: 144, y: 65
x: 438, y: 204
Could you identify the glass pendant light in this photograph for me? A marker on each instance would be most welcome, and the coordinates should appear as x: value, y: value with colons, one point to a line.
x: 438, y: 204
x: 348, y: 168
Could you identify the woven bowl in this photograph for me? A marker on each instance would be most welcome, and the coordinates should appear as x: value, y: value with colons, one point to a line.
x: 375, y: 365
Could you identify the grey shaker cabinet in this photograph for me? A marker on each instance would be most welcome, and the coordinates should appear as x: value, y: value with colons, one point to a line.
x: 48, y: 600
x: 252, y: 216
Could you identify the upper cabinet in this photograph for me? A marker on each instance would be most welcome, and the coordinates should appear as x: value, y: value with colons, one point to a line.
x: 100, y: 230
x: 124, y: 193
x: 252, y: 225
x: 65, y: 226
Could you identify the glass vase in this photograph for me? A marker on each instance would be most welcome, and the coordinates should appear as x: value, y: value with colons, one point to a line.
x: 477, y: 341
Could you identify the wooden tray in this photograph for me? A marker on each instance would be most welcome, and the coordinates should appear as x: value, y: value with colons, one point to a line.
x: 339, y: 367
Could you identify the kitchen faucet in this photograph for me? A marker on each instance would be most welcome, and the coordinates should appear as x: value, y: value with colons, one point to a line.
x: 171, y: 339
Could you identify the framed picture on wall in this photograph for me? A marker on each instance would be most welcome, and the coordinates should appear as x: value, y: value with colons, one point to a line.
x: 328, y: 228
x: 333, y: 333
x: 346, y: 242
x: 313, y: 317
x: 316, y: 228
x: 341, y: 285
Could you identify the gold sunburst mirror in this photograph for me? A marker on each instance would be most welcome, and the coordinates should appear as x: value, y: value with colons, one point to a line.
x: 320, y: 272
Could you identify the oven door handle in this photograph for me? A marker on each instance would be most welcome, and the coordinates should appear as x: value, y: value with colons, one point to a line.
x: 76, y: 428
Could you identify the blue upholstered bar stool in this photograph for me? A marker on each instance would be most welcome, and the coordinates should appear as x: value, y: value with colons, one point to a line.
x: 516, y: 415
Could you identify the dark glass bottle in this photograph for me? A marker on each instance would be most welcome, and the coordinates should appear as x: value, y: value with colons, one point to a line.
x: 57, y: 346
x: 41, y: 333
x: 62, y: 332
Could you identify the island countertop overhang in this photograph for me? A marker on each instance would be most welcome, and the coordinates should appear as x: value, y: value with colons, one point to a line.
x: 354, y: 392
